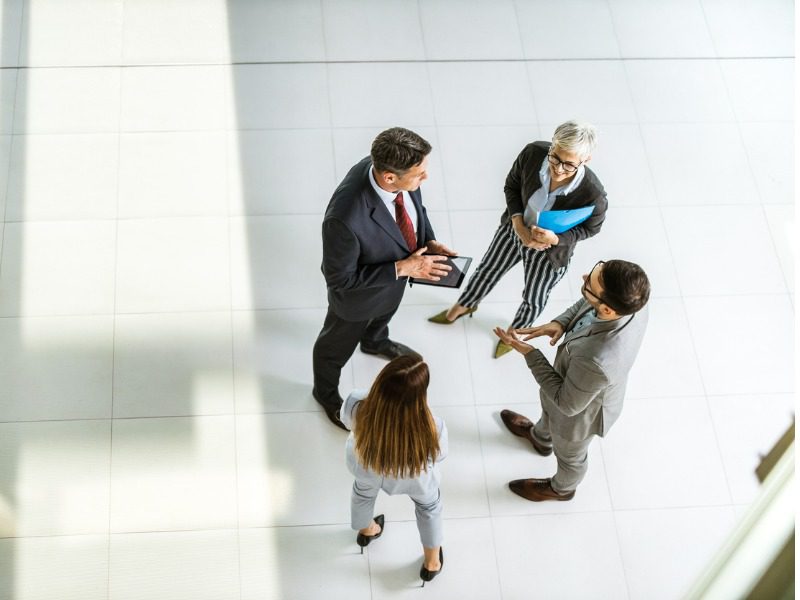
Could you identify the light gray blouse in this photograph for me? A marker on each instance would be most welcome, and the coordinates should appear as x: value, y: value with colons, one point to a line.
x: 427, y: 482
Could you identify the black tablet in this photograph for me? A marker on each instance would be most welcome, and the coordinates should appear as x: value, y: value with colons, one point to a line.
x: 459, y: 266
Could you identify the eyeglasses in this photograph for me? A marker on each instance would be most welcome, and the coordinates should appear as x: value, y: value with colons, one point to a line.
x: 567, y: 167
x: 587, y: 290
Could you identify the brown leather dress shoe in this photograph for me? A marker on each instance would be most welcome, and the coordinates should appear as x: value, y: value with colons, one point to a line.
x: 537, y: 490
x: 520, y: 425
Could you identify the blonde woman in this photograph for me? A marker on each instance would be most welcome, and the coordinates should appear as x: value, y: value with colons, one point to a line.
x: 395, y: 446
x: 545, y: 176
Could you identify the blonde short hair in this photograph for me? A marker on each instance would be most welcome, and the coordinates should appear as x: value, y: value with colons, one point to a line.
x: 577, y: 137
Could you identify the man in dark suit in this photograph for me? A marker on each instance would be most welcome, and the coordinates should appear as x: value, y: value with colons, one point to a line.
x: 375, y: 235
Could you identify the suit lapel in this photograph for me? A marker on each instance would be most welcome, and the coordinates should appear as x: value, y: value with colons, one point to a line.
x: 416, y: 198
x: 382, y: 218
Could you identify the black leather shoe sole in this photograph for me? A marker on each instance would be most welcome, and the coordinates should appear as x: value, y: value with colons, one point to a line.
x: 332, y: 412
x: 390, y: 350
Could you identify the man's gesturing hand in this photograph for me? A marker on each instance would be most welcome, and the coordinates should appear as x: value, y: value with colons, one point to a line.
x: 423, y: 267
x: 509, y: 336
x: 554, y: 329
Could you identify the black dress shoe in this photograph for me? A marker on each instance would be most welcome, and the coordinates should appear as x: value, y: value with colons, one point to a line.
x: 390, y: 350
x: 426, y: 575
x: 332, y: 410
x: 364, y: 540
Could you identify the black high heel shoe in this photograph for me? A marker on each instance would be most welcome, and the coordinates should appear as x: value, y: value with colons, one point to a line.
x: 426, y: 575
x: 364, y: 540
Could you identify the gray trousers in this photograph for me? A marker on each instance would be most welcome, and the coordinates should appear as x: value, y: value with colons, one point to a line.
x: 428, y: 510
x: 572, y: 457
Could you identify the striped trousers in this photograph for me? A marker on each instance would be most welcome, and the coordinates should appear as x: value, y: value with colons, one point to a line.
x: 505, y: 251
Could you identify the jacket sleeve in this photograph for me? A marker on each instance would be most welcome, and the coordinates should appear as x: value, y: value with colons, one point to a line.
x: 340, y: 255
x: 348, y: 412
x: 443, y: 443
x: 513, y: 186
x: 429, y: 234
x: 566, y: 317
x: 570, y: 394
x: 590, y: 226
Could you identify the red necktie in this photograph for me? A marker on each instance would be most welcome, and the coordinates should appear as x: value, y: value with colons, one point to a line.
x: 404, y: 222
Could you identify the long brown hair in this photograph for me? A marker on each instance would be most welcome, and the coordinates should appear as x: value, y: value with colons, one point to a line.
x: 394, y: 431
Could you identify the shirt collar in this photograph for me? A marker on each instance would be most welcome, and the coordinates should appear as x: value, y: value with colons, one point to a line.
x: 387, y: 197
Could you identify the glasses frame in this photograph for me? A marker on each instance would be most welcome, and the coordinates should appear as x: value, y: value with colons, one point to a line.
x: 567, y: 167
x: 588, y: 290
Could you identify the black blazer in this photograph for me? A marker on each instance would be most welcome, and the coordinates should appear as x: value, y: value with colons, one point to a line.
x: 523, y: 180
x: 360, y: 244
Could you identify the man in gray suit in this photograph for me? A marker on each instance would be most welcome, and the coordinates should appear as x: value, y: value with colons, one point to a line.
x: 582, y: 391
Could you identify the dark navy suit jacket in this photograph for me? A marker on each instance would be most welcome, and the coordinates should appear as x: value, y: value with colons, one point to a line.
x: 360, y: 244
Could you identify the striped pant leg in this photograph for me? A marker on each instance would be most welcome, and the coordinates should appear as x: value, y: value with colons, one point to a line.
x: 504, y: 252
x: 540, y: 278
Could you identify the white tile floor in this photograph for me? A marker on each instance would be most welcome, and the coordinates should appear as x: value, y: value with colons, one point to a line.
x: 164, y: 167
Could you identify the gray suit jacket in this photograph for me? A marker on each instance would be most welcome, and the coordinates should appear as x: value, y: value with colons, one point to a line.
x: 582, y: 392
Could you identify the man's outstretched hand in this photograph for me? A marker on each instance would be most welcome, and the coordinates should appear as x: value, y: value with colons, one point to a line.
x: 510, y: 337
x: 553, y: 329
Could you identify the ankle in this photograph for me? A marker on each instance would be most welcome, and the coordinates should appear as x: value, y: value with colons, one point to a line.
x: 456, y: 311
x: 373, y: 529
x: 433, y: 565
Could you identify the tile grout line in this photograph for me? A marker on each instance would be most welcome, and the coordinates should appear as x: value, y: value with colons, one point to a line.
x: 682, y: 295
x: 229, y: 146
x: 114, y: 320
x: 626, y: 75
x: 198, y: 64
x: 310, y: 412
x: 711, y: 419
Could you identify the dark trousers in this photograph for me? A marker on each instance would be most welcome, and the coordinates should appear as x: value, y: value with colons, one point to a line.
x: 335, y: 345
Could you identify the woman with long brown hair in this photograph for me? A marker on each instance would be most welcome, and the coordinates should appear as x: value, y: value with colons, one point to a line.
x: 395, y: 446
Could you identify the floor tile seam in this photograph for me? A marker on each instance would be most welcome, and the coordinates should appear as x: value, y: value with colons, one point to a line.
x: 751, y: 170
x: 436, y: 124
x: 638, y: 399
x: 406, y: 521
x: 168, y: 312
x: 323, y: 307
x: 625, y: 573
x: 707, y: 25
x: 665, y: 232
x: 344, y: 127
x: 686, y: 315
x: 389, y: 61
x: 232, y: 355
x: 680, y: 507
x: 8, y: 167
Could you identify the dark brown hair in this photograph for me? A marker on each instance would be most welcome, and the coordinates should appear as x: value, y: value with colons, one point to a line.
x: 625, y: 286
x: 394, y: 430
x: 397, y: 150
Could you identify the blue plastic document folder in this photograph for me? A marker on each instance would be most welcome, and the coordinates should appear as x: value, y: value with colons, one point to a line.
x: 558, y: 221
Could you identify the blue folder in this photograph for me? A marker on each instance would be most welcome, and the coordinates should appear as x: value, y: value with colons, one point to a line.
x: 558, y: 221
